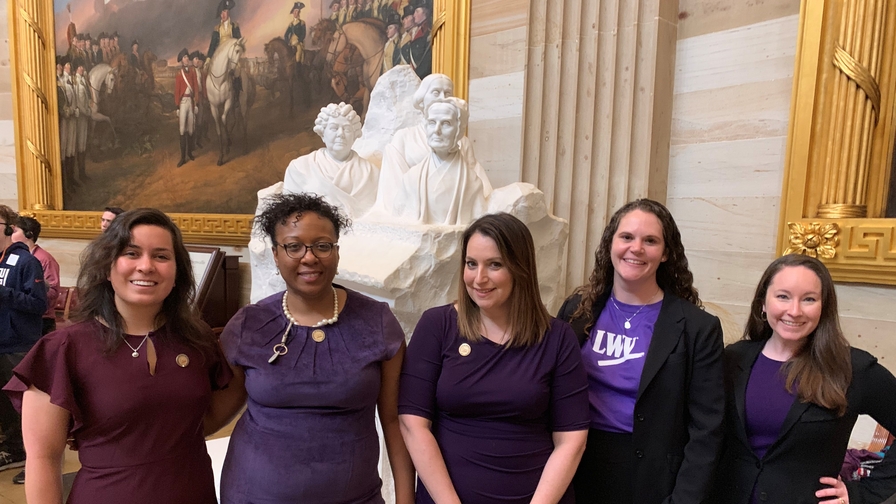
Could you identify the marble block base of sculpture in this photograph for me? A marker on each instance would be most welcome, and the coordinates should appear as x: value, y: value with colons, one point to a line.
x: 414, y: 268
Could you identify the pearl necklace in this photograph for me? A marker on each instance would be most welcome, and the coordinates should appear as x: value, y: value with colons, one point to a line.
x: 135, y: 354
x: 281, y: 348
x: 628, y: 320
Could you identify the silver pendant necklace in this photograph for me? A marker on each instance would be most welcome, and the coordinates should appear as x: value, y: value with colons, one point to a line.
x: 136, y: 353
x: 628, y: 320
x: 318, y: 335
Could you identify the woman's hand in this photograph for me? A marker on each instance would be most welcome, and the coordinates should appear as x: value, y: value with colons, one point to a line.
x: 837, y: 494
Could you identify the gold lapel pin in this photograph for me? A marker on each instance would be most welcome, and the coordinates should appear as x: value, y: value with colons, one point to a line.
x: 182, y: 360
x: 318, y: 335
x: 464, y: 349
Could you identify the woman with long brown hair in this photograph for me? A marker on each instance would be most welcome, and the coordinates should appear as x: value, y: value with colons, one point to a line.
x: 131, y: 383
x: 794, y: 390
x: 654, y: 364
x: 493, y: 403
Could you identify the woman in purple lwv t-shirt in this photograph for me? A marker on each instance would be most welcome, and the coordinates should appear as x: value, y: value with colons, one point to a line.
x: 493, y: 402
x: 654, y: 365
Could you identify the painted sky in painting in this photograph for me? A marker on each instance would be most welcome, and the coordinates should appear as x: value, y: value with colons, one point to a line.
x: 167, y: 26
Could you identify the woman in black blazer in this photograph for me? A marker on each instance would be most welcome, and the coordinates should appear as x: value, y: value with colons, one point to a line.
x: 794, y: 389
x: 654, y: 364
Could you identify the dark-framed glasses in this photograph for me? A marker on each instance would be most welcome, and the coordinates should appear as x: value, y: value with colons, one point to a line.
x: 297, y: 250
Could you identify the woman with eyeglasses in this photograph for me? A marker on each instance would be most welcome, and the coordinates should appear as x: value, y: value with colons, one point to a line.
x: 318, y: 361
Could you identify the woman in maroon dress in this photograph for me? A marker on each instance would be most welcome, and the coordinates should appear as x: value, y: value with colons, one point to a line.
x: 493, y: 403
x: 131, y: 383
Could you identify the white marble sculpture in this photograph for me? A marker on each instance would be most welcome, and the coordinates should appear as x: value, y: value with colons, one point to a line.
x: 336, y: 171
x: 444, y: 187
x: 410, y: 145
x: 414, y: 264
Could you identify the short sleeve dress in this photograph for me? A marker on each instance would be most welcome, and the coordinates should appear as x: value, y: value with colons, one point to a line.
x: 309, y: 431
x: 493, y: 409
x: 139, y: 436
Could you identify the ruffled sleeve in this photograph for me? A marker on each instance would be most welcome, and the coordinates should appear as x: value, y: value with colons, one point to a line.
x: 48, y: 367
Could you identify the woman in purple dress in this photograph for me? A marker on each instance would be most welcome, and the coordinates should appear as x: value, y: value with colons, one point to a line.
x: 654, y: 365
x: 131, y: 383
x: 318, y: 360
x: 493, y: 403
x: 794, y: 390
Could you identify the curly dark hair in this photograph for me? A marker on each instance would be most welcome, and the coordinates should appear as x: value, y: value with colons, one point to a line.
x: 97, y: 297
x: 672, y: 275
x: 279, y: 207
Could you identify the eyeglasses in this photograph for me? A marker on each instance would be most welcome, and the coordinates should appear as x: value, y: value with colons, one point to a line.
x: 297, y: 250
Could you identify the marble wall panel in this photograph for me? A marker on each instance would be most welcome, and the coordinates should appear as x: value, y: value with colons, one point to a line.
x: 493, y: 141
x: 699, y: 17
x: 755, y: 53
x: 506, y: 52
x: 738, y: 168
x: 727, y: 276
x: 752, y: 110
x: 727, y: 224
x: 492, y: 16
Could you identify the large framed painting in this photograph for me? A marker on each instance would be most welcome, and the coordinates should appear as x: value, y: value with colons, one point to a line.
x: 191, y: 107
x: 839, y: 198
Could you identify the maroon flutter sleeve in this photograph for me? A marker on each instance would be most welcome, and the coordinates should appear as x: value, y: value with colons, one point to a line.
x: 47, y: 367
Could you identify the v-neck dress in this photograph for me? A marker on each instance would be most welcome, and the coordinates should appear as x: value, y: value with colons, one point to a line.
x: 139, y: 435
x: 309, y: 431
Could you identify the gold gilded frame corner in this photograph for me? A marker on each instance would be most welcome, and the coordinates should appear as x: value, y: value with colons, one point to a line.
x: 854, y: 249
x: 32, y: 58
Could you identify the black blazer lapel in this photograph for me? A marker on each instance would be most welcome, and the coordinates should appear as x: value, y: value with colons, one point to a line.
x: 793, y: 415
x: 666, y: 334
x: 744, y: 367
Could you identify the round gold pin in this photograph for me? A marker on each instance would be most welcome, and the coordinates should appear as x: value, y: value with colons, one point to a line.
x: 464, y: 349
x: 182, y: 360
x: 318, y: 335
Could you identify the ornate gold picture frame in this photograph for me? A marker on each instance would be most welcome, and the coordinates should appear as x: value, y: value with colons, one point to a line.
x: 839, y: 161
x: 35, y: 109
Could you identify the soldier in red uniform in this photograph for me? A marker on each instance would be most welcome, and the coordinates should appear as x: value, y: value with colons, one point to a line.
x: 186, y: 97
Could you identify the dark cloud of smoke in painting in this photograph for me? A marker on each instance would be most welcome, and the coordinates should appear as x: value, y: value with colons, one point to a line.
x: 167, y: 26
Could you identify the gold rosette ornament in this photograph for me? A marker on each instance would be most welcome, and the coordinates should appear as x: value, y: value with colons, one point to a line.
x: 814, y: 239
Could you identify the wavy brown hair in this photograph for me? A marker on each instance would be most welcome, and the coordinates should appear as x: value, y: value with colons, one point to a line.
x: 672, y: 275
x: 821, y: 370
x: 529, y: 318
x: 97, y: 298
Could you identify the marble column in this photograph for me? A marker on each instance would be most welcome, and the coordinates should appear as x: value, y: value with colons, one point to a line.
x: 597, y: 111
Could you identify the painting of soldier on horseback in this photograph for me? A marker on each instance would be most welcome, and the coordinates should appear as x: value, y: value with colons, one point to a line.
x: 192, y: 106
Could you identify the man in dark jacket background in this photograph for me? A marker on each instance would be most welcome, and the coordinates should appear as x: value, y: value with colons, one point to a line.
x: 23, y: 301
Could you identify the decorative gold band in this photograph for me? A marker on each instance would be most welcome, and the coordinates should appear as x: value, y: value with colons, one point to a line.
x: 841, y: 211
x: 860, y: 75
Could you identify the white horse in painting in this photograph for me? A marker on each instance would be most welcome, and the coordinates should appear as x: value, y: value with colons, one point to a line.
x: 219, y: 87
x: 100, y: 75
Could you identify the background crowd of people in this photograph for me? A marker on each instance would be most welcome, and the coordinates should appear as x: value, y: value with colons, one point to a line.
x: 627, y: 396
